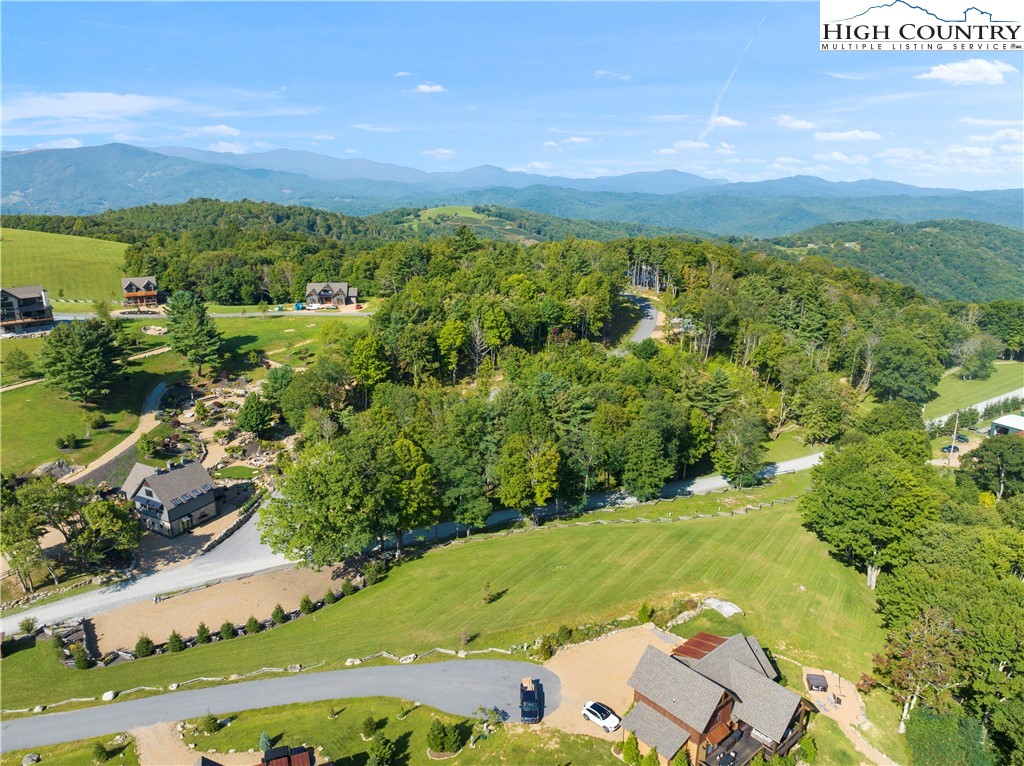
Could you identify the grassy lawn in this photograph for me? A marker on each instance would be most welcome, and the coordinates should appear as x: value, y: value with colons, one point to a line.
x: 283, y: 338
x: 461, y: 211
x: 22, y: 424
x: 427, y: 602
x: 834, y: 749
x: 955, y: 394
x: 237, y: 472
x: 790, y: 445
x: 83, y: 268
x: 77, y: 753
x: 340, y: 738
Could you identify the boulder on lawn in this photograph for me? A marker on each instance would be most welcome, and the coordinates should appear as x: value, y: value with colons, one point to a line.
x: 30, y: 759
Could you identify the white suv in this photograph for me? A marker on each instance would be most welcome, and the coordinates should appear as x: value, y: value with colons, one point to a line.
x: 602, y: 715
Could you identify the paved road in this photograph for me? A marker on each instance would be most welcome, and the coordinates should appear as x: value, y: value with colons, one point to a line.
x: 648, y: 321
x: 458, y: 687
x: 240, y: 555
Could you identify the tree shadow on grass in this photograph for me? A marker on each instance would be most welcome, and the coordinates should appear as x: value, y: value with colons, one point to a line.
x: 15, y: 645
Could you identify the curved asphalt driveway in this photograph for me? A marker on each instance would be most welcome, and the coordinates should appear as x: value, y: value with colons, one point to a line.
x: 458, y: 687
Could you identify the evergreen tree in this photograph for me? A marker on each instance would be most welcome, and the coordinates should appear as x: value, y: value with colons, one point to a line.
x: 144, y: 647
x: 175, y: 643
x: 190, y: 331
x: 202, y: 634
x: 255, y: 414
x: 80, y: 358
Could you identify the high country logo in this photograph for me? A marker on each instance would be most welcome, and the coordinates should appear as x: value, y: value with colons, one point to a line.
x: 945, y: 25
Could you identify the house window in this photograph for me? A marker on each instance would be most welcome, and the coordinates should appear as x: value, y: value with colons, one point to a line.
x: 718, y: 718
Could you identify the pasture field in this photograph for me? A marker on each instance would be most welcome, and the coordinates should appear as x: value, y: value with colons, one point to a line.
x: 77, y: 753
x: 955, y: 394
x: 83, y: 268
x: 811, y: 608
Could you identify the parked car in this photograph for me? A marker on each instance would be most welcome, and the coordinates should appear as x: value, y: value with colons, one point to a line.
x: 602, y: 715
x: 950, y: 448
x: 962, y: 438
x: 529, y: 701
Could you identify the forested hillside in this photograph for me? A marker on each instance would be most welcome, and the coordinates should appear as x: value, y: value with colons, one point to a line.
x: 949, y: 259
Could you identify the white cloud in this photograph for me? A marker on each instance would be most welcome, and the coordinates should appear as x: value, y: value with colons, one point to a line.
x: 81, y: 105
x: 605, y: 74
x: 227, y: 147
x: 403, y: 74
x: 214, y: 130
x: 848, y: 135
x: 844, y: 159
x: 429, y: 87
x: 793, y: 123
x: 788, y: 161
x: 901, y: 154
x: 677, y: 145
x: 375, y: 128
x: 439, y: 154
x: 323, y: 137
x: 987, y: 123
x: 666, y: 151
x: 577, y: 140
x: 1017, y: 148
x: 550, y: 144
x: 61, y: 143
x: 969, y: 72
x: 721, y: 121
x: 538, y: 166
x: 1006, y: 134
x: 724, y: 148
x: 846, y: 76
x: 351, y: 151
x: 968, y: 151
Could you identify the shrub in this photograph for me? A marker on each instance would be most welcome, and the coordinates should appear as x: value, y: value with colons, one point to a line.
x: 175, y: 642
x: 369, y: 727
x: 645, y: 613
x: 329, y: 597
x: 82, y: 661
x: 682, y: 758
x: 202, y: 634
x: 375, y: 571
x: 631, y: 750
x: 144, y: 647
x: 564, y: 635
x: 265, y: 743
x: 27, y: 624
x: 252, y: 626
x: 227, y: 631
x: 546, y: 650
x: 464, y: 637
x: 347, y: 588
x: 443, y: 737
x: 485, y: 593
x: 95, y: 420
x: 306, y: 605
x: 651, y: 759
x: 99, y: 753
x: 278, y: 615
x: 808, y: 749
x: 381, y: 752
x: 209, y: 724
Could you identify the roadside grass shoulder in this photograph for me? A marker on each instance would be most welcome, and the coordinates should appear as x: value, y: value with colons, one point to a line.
x: 811, y: 608
x: 403, y: 723
x: 82, y: 268
x: 955, y: 394
x: 790, y: 445
x: 78, y: 753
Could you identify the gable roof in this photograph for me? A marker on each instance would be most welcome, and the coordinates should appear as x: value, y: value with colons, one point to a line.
x: 655, y: 730
x: 135, y: 478
x: 676, y: 688
x: 174, y: 484
x: 137, y: 281
x: 334, y: 287
x: 736, y: 666
x: 32, y: 291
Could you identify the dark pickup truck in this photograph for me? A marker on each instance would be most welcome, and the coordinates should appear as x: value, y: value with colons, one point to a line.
x: 529, y: 701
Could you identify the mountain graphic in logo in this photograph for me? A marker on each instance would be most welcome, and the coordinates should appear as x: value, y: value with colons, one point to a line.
x: 971, y: 15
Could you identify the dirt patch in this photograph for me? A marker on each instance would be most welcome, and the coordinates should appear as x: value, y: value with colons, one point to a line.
x: 953, y: 460
x: 162, y: 745
x: 235, y: 601
x: 156, y: 553
x: 843, y: 704
x: 599, y: 671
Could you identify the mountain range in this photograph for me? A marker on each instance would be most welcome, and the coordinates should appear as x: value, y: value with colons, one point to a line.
x: 90, y: 180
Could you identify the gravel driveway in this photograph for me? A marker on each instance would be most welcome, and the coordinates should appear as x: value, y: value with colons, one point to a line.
x: 458, y: 687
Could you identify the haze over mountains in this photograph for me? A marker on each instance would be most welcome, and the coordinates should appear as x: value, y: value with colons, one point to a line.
x: 93, y: 179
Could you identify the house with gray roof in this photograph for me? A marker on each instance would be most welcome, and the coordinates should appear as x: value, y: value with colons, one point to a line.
x: 24, y: 310
x: 172, y: 501
x: 139, y: 292
x: 716, y: 697
x: 331, y: 294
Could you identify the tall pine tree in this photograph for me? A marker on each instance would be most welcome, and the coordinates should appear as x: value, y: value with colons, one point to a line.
x: 191, y: 332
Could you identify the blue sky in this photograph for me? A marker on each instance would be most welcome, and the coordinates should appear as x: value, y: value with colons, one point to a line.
x: 726, y: 90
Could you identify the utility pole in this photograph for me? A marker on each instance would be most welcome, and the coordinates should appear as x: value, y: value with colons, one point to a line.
x: 952, y: 444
